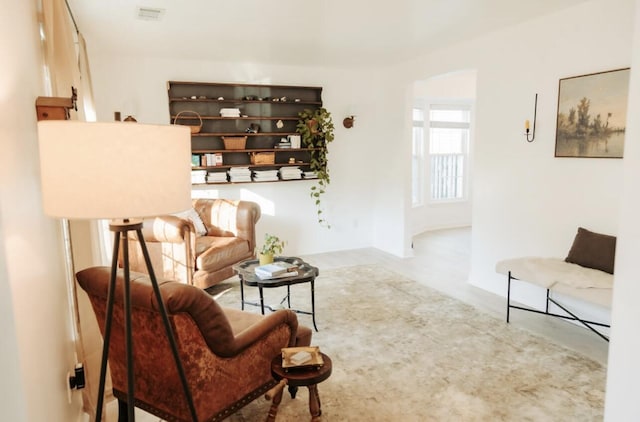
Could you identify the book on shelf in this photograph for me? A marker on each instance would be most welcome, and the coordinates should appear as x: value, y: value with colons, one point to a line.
x: 276, y: 269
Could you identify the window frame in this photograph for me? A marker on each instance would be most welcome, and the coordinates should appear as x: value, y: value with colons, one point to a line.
x: 418, y: 160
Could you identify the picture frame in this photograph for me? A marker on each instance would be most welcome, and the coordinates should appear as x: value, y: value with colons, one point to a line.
x: 592, y: 115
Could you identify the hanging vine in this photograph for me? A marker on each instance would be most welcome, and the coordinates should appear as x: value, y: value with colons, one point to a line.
x: 316, y: 132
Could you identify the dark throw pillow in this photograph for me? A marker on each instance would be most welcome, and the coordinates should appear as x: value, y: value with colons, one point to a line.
x: 593, y: 250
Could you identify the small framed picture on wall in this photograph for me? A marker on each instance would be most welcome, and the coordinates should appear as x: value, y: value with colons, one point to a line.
x: 592, y: 115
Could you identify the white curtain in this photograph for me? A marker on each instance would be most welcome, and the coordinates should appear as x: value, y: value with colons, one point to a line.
x: 68, y: 65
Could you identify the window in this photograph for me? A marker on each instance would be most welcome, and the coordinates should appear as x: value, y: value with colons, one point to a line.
x: 417, y: 157
x: 449, y: 131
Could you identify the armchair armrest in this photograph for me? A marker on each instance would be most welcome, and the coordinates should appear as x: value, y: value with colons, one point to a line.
x: 167, y: 228
x: 260, y: 329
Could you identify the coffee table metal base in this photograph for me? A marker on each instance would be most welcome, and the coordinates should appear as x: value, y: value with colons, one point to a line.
x: 262, y: 305
x: 306, y: 274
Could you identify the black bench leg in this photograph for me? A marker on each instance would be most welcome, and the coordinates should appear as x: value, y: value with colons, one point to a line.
x: 508, y: 295
x: 123, y: 411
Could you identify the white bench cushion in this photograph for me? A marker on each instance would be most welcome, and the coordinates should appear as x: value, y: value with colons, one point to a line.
x: 569, y: 279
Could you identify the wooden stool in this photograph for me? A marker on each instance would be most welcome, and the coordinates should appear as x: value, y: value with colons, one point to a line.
x: 298, y: 377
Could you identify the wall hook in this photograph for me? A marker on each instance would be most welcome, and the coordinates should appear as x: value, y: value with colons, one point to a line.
x: 526, y: 123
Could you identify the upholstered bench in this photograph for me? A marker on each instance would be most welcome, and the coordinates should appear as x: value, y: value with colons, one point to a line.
x: 586, y: 274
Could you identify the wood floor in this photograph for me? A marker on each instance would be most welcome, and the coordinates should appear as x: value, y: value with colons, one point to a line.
x: 441, y: 261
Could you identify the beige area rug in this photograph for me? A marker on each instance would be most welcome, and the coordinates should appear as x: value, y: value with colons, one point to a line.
x: 404, y: 352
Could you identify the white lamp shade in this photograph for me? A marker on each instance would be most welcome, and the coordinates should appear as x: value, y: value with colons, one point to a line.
x: 114, y: 170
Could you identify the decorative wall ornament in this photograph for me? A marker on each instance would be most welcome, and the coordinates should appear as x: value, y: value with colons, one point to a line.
x: 526, y: 123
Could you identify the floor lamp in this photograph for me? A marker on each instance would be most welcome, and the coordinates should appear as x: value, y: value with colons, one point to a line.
x: 123, y: 172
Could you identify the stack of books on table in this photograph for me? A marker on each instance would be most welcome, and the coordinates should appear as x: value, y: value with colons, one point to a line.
x: 239, y: 174
x: 265, y: 175
x: 278, y: 269
x: 217, y: 177
x: 290, y: 173
x: 198, y: 176
x: 309, y: 174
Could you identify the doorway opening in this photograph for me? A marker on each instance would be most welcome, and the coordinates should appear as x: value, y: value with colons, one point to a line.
x: 442, y: 144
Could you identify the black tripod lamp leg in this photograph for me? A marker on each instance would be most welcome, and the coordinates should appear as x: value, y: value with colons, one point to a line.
x: 107, y: 328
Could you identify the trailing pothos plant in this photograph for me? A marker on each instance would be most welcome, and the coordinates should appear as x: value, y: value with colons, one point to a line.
x: 316, y: 132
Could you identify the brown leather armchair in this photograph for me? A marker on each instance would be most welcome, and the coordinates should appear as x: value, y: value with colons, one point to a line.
x: 200, y: 248
x: 226, y: 353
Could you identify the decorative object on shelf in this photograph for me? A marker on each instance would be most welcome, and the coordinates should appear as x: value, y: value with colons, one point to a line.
x: 263, y: 157
x: 316, y: 131
x: 130, y: 119
x: 195, y: 115
x: 294, y: 140
x: 284, y: 143
x: 77, y: 186
x: 234, y: 142
x: 229, y: 112
x: 348, y: 121
x: 526, y: 123
x: 253, y: 128
x: 271, y: 246
x: 592, y: 115
x: 279, y: 124
x: 56, y: 108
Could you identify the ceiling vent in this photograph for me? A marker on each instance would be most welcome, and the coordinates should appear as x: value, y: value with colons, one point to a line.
x: 150, y: 13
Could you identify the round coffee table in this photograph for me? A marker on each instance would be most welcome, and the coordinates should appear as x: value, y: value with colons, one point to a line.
x: 308, y: 377
x: 306, y: 274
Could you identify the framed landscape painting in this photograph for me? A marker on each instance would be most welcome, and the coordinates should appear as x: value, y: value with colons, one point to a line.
x: 592, y: 115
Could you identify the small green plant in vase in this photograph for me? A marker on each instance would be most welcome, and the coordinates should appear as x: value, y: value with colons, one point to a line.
x: 271, y: 247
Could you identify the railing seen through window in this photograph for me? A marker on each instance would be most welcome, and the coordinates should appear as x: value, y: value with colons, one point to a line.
x: 449, y: 131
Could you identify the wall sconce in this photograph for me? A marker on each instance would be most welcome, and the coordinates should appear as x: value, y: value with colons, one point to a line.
x: 526, y: 123
x: 348, y: 121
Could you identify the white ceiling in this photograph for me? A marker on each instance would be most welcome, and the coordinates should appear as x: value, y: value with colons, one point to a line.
x: 297, y: 32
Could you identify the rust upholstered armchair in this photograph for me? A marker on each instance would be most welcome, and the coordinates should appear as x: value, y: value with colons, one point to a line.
x: 200, y: 246
x: 226, y: 353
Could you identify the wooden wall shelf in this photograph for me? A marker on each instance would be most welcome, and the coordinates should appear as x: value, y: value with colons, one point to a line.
x: 276, y: 120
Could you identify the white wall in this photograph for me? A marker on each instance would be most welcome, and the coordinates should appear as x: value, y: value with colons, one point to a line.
x: 624, y: 370
x: 37, y: 349
x: 526, y: 202
x: 355, y: 157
